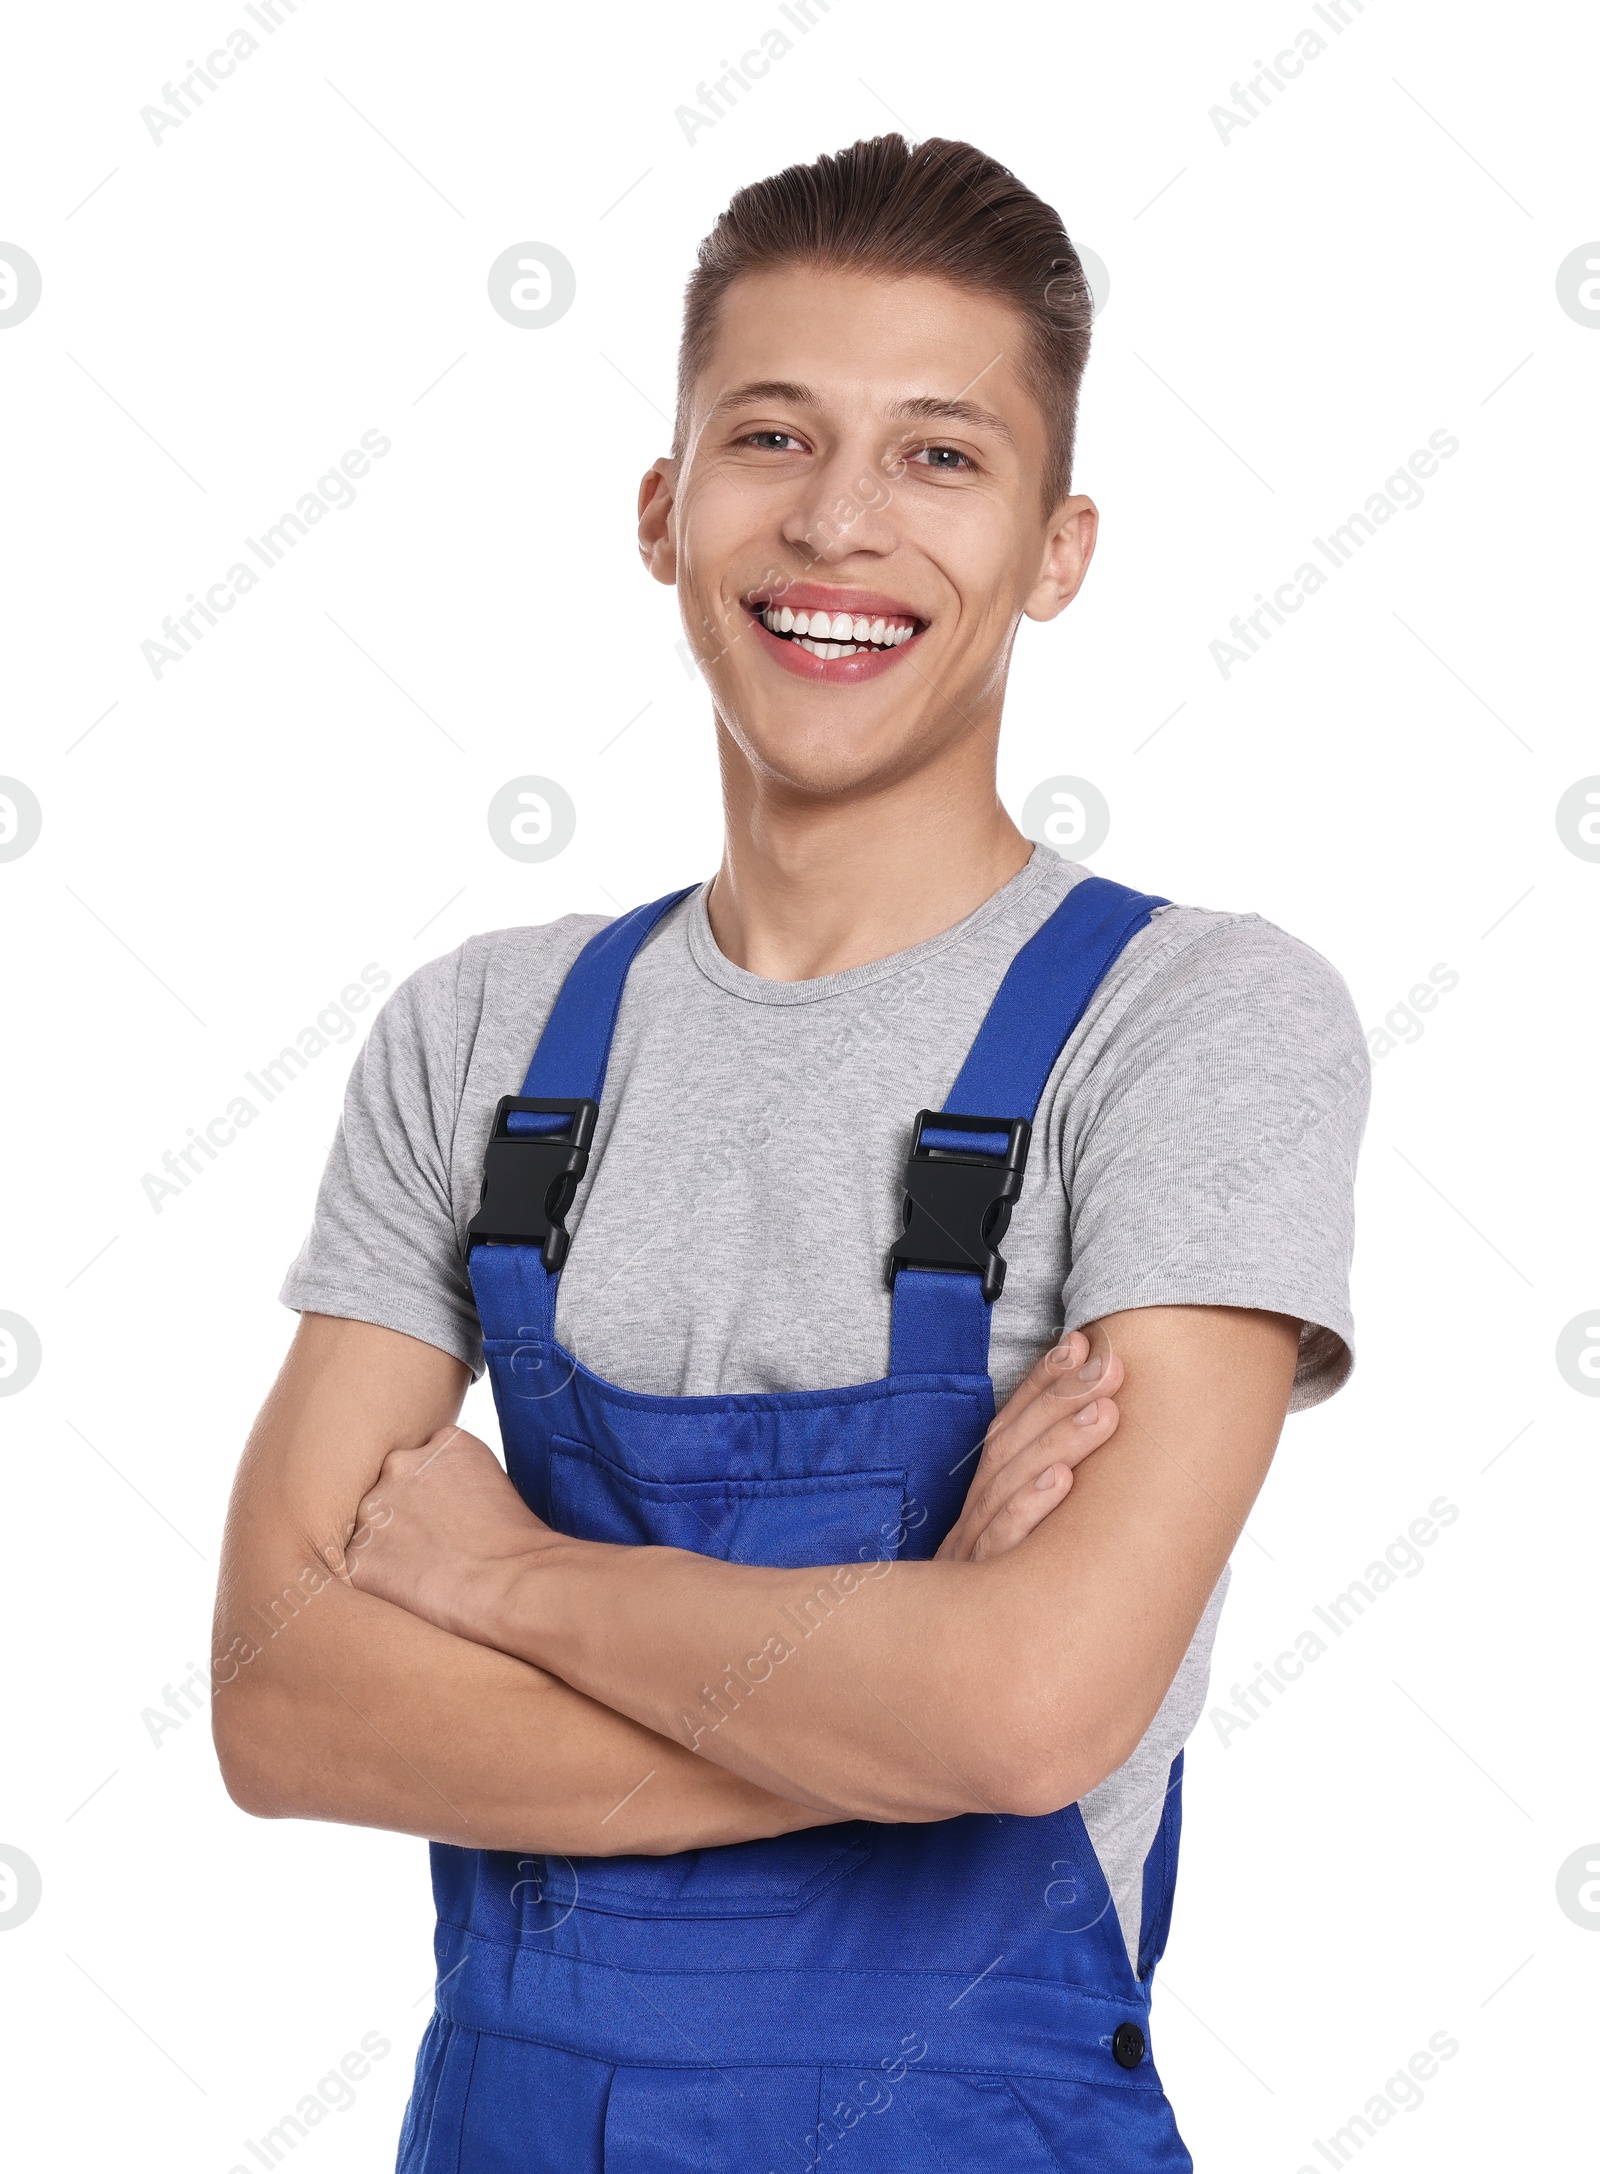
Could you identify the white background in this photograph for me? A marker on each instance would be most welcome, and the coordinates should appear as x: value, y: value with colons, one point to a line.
x: 1291, y: 313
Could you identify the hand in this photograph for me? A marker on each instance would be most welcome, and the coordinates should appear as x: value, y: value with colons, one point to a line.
x: 1061, y: 1412
x: 436, y: 1527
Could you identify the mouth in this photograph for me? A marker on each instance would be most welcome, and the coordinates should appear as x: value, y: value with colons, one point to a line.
x: 834, y: 634
x: 841, y: 638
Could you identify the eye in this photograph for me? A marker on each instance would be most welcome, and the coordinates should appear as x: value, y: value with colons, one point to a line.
x: 947, y: 459
x: 771, y: 441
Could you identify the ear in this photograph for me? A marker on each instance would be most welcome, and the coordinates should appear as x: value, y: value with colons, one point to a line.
x: 1073, y: 528
x: 658, y: 539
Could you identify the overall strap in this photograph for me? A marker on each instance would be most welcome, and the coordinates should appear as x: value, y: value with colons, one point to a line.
x: 575, y: 1047
x: 539, y: 1144
x: 964, y: 1174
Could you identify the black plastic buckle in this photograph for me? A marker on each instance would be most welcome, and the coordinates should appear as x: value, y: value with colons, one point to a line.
x: 958, y: 1200
x: 529, y: 1178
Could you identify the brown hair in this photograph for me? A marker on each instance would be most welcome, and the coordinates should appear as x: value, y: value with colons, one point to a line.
x: 942, y: 208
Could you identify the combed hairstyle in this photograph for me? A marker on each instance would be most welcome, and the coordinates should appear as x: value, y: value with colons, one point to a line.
x: 942, y: 208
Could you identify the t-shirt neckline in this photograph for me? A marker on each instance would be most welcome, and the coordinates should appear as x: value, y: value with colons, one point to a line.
x: 738, y: 981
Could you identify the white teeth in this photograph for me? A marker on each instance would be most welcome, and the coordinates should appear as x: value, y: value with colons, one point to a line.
x: 831, y: 635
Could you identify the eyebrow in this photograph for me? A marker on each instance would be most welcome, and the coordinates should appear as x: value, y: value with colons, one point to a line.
x: 923, y: 408
x: 768, y: 388
x: 926, y: 409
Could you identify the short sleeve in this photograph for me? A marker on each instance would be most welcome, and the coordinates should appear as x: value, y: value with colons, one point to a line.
x: 383, y: 1246
x: 1210, y: 1157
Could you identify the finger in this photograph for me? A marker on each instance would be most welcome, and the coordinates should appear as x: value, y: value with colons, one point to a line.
x: 1073, y: 1438
x: 1068, y: 1369
x: 1061, y: 1446
x: 1062, y: 1381
x: 1065, y: 1356
x: 1063, y: 1392
x: 1023, y: 1513
x: 1062, y: 1359
x: 1066, y: 1442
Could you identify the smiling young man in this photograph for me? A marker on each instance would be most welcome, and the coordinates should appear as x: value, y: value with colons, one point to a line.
x: 801, y: 1750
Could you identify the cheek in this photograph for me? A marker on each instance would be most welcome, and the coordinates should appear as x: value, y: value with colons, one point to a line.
x: 730, y: 528
x: 974, y: 547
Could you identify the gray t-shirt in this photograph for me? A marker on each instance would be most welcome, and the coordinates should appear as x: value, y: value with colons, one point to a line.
x: 1195, y: 1145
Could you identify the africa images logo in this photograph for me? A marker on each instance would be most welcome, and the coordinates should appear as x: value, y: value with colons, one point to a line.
x: 1402, y: 492
x: 335, y: 492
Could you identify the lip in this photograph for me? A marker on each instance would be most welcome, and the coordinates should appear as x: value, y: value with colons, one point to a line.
x: 815, y: 596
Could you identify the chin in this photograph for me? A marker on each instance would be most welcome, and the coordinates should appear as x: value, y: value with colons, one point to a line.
x: 822, y: 752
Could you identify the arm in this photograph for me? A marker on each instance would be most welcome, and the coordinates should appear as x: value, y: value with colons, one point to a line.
x: 332, y: 1704
x: 1011, y: 1682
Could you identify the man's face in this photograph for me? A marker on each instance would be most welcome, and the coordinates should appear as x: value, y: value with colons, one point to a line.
x: 856, y: 526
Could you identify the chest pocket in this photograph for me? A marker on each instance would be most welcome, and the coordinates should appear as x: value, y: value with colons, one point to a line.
x: 831, y: 1517
x: 839, y: 1517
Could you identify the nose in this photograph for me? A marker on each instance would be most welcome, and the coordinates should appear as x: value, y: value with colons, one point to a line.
x: 845, y: 507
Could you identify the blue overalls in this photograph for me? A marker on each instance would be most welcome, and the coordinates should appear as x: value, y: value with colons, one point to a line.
x: 950, y: 1997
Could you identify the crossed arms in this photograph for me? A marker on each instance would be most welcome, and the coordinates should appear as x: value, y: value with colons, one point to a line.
x: 400, y: 1643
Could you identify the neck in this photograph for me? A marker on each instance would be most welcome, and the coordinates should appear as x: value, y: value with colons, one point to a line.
x: 812, y: 885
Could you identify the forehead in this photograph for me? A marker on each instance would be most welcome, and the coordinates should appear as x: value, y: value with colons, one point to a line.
x: 867, y: 342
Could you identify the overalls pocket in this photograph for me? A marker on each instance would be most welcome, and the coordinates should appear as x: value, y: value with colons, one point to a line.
x: 829, y: 1517
x: 776, y: 1878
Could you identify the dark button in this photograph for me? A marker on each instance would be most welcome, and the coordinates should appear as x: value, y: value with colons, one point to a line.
x: 1127, y: 2045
